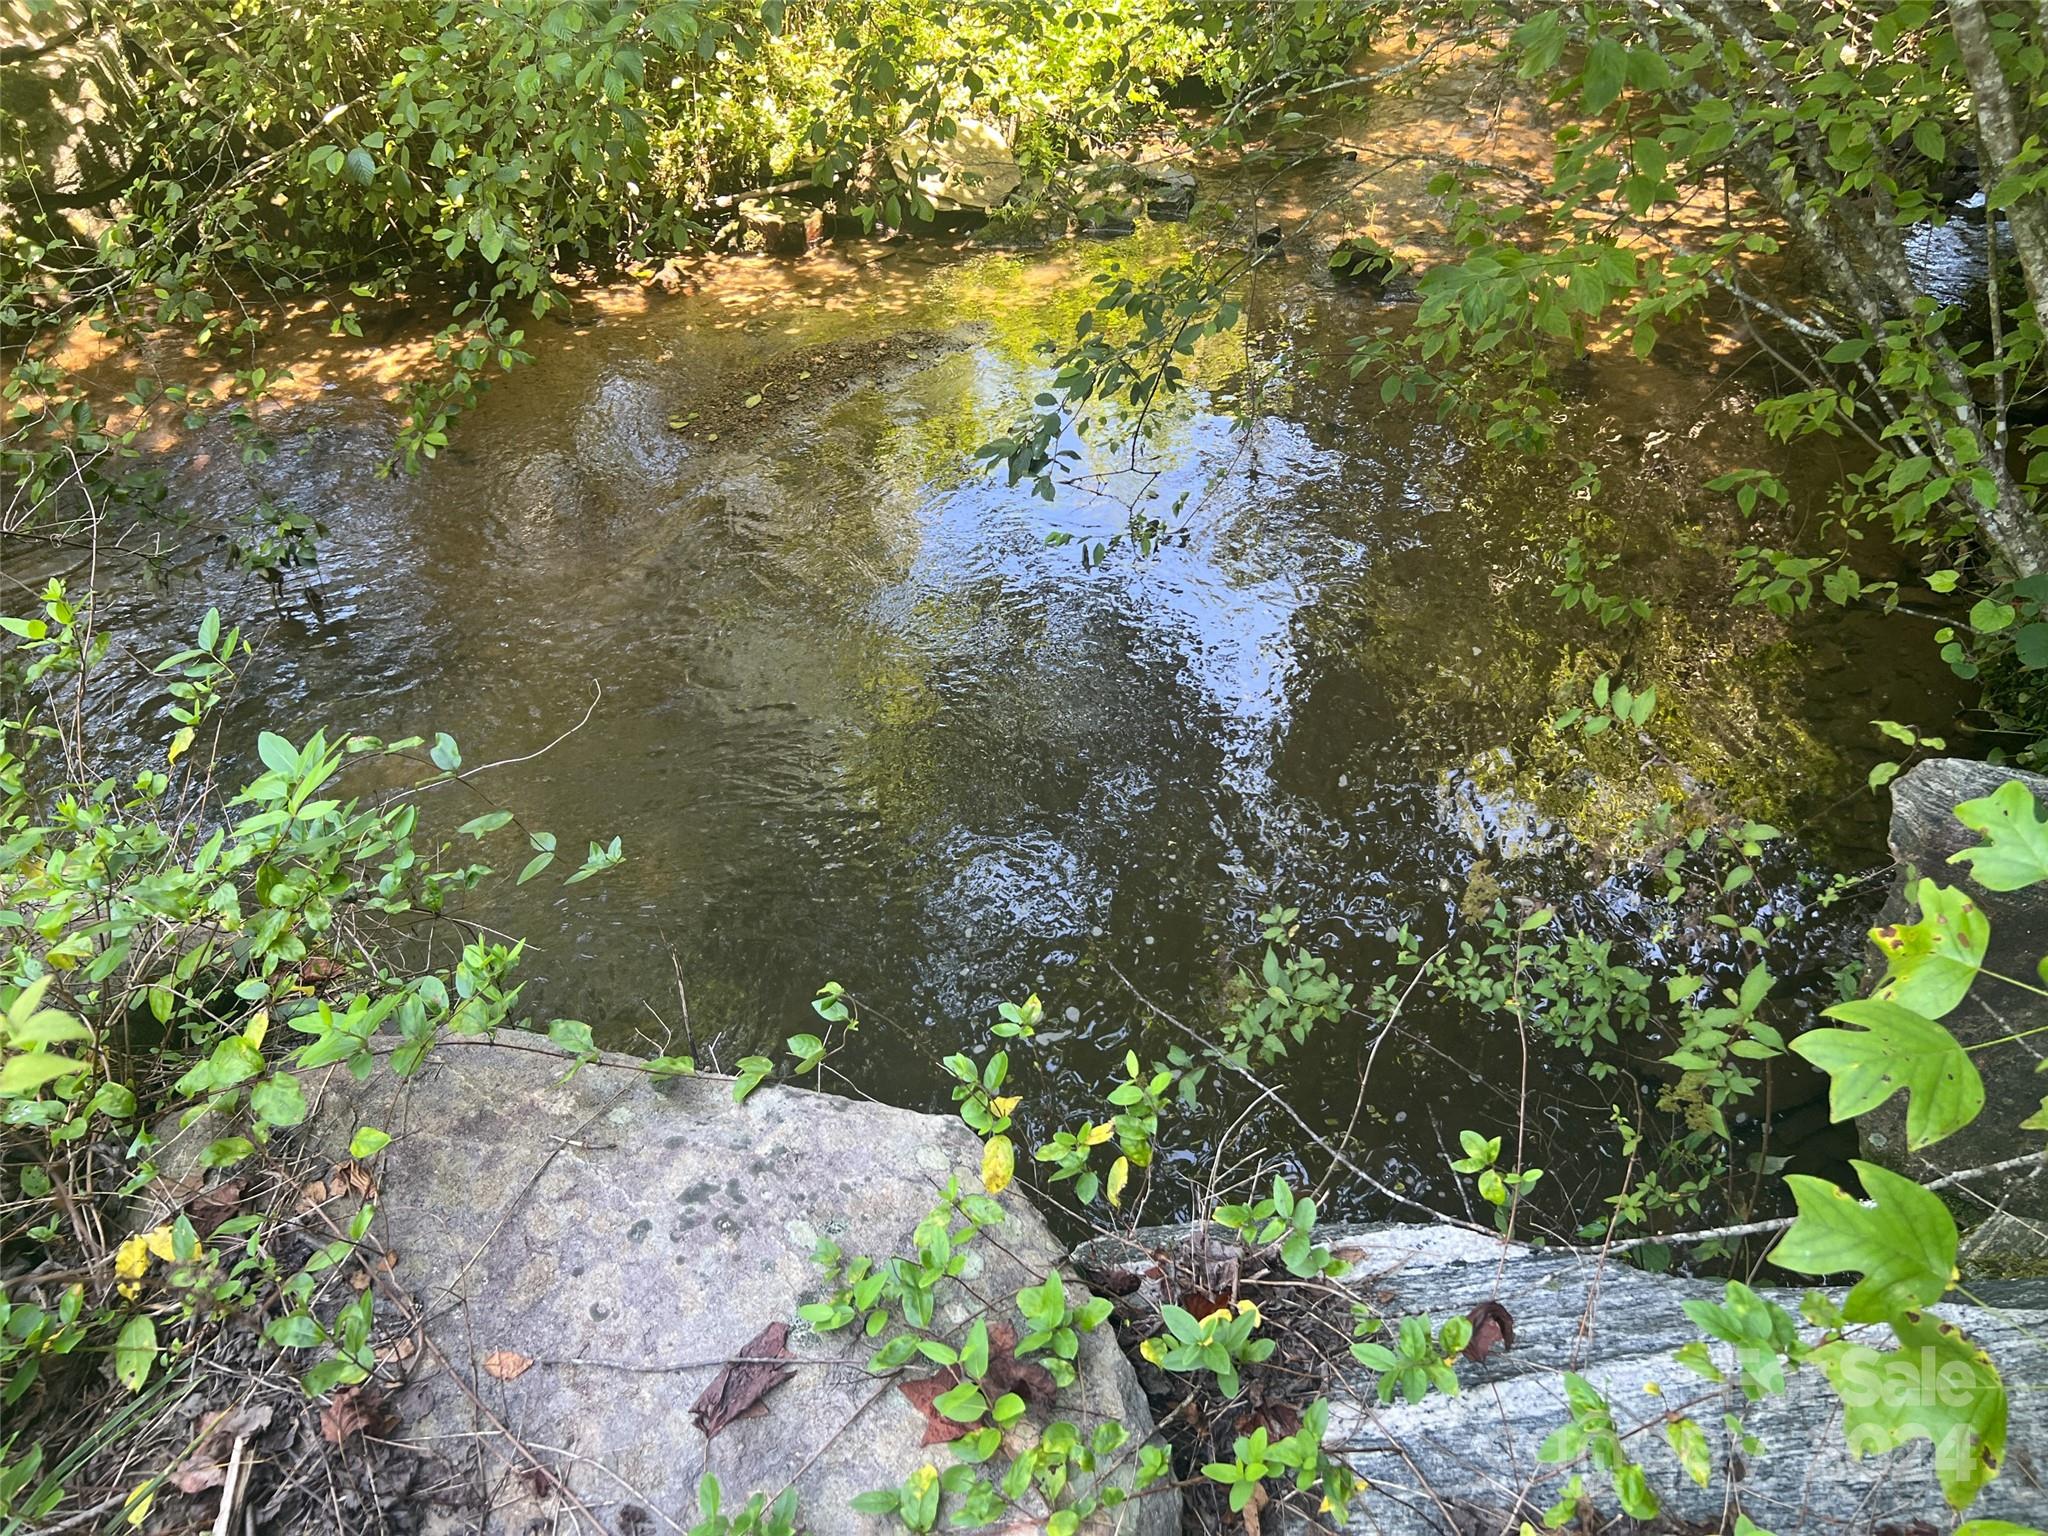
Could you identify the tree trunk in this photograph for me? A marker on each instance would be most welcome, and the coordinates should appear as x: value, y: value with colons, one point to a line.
x: 1998, y: 126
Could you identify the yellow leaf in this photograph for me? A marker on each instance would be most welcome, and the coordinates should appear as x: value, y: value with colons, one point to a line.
x: 1119, y: 1176
x: 258, y: 1028
x: 1004, y: 1105
x: 1153, y: 1350
x: 1098, y: 1134
x: 179, y: 745
x: 998, y: 1164
x: 140, y: 1502
x: 131, y: 1263
x: 161, y: 1244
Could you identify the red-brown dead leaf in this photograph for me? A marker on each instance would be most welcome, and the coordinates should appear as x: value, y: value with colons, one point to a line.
x: 1278, y: 1419
x: 938, y: 1429
x: 1493, y: 1327
x: 1006, y: 1373
x: 318, y: 970
x: 210, y: 1207
x: 507, y: 1364
x: 355, y: 1410
x: 1200, y: 1304
x: 736, y: 1391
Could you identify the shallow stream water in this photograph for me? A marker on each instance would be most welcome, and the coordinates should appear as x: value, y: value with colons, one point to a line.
x: 855, y: 720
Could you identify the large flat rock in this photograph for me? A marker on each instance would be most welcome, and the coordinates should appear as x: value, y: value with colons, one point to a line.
x: 1469, y: 1465
x: 629, y: 1238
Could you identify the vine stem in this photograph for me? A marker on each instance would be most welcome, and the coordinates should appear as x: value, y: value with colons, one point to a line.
x: 1336, y: 1153
x: 1755, y: 1228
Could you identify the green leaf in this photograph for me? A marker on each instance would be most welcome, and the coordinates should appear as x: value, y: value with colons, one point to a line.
x: 1895, y: 1048
x: 879, y: 1501
x: 278, y: 755
x: 1931, y: 964
x: 278, y: 1100
x: 295, y: 1330
x: 361, y: 166
x: 367, y: 1142
x: 754, y: 1071
x: 478, y: 826
x: 445, y: 755
x: 1988, y: 615
x: 572, y: 1035
x: 964, y: 1404
x: 1689, y: 1444
x: 2014, y: 853
x: 1606, y: 69
x: 135, y: 1352
x: 1935, y: 1386
x: 1632, y: 1490
x: 23, y: 1074
x: 1904, y: 1244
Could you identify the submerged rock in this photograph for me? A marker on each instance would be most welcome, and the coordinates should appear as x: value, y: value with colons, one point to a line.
x: 1169, y: 191
x: 589, y: 1249
x: 1470, y: 1466
x: 2006, y: 1216
x: 1364, y: 262
x: 783, y: 227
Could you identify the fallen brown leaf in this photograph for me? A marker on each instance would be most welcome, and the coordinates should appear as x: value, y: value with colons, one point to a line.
x: 353, y: 1410
x: 1006, y: 1373
x: 210, y: 1207
x: 506, y: 1365
x: 1493, y: 1327
x: 938, y: 1429
x: 206, y: 1466
x: 1252, y: 1509
x: 736, y: 1391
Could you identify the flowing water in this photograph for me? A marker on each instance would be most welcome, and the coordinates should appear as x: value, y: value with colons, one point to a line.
x: 856, y: 720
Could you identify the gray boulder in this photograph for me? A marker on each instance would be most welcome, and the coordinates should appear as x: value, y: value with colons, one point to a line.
x: 628, y: 1238
x: 1469, y: 1465
x: 2006, y: 1215
x: 973, y: 171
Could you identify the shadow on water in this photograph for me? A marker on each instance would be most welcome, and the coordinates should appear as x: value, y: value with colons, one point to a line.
x: 859, y: 722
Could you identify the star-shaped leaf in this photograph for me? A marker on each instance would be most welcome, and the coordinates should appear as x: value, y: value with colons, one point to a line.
x: 1903, y: 1243
x: 1931, y: 964
x: 2014, y: 853
x: 1895, y: 1048
x: 1935, y: 1386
